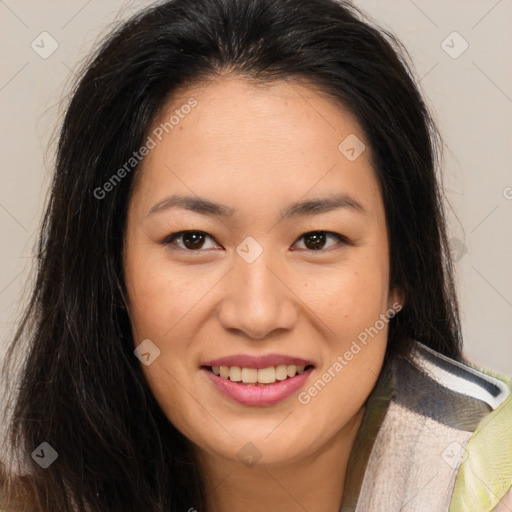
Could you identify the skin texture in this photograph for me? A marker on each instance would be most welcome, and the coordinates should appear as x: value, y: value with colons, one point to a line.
x: 257, y: 149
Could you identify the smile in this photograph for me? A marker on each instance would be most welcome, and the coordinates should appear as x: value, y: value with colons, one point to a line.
x: 258, y: 387
x: 267, y: 375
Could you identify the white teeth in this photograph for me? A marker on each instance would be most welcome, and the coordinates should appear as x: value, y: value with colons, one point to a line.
x: 291, y: 370
x: 249, y: 375
x: 281, y: 372
x: 235, y: 374
x: 267, y: 375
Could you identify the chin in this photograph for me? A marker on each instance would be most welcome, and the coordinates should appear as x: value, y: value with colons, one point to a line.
x: 251, y: 450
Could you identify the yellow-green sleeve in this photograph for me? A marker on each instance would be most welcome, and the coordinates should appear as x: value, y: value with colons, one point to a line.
x: 485, y: 476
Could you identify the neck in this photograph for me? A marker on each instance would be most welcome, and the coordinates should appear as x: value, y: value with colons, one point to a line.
x: 314, y: 482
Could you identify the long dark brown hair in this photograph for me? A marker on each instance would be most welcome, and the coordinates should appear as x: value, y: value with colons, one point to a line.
x: 80, y: 388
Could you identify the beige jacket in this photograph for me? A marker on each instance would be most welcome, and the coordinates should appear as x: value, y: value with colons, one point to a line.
x: 436, y: 436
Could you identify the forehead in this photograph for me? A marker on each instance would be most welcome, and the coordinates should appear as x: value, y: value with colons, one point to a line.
x: 277, y: 141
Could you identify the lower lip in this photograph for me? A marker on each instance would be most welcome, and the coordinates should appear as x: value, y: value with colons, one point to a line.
x: 259, y: 394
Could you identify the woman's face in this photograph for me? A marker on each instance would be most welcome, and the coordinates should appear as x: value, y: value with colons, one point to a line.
x: 272, y: 279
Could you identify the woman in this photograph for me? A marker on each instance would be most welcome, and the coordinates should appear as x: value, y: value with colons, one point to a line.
x: 245, y: 298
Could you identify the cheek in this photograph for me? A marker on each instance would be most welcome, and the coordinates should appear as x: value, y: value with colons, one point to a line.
x: 157, y: 306
x: 159, y: 295
x: 353, y: 296
x: 353, y: 304
x: 356, y: 343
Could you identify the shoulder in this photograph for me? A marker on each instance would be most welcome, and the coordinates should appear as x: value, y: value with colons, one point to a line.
x: 485, y: 472
x: 436, y: 431
x: 482, y: 399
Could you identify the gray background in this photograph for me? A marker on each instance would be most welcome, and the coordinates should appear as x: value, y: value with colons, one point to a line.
x: 469, y: 92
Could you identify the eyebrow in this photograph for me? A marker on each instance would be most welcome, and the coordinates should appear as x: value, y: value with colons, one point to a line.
x: 306, y: 207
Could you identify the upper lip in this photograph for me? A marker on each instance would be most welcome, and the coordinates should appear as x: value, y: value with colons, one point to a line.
x: 264, y: 361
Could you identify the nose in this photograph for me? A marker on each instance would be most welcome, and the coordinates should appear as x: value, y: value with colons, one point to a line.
x: 258, y: 300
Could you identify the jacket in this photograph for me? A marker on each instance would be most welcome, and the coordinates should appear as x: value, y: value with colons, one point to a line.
x: 436, y: 436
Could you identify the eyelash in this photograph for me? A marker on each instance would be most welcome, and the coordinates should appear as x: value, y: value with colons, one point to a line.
x: 170, y: 239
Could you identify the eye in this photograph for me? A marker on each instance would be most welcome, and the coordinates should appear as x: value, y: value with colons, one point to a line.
x: 192, y: 240
x: 315, y: 240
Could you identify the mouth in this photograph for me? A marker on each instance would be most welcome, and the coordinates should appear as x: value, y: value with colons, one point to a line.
x: 259, y: 376
x: 258, y: 387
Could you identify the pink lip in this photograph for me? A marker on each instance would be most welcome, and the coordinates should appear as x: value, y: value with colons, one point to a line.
x: 258, y: 394
x: 247, y: 361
